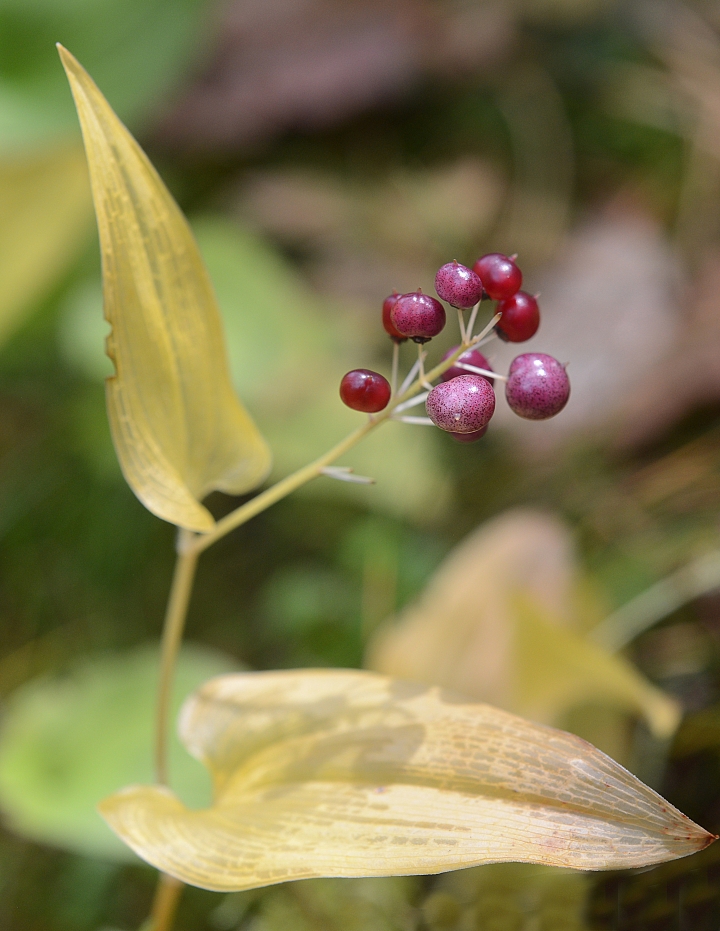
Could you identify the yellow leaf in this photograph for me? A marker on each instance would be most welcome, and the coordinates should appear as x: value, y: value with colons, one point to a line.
x: 349, y: 773
x: 496, y: 623
x: 44, y: 216
x: 178, y: 427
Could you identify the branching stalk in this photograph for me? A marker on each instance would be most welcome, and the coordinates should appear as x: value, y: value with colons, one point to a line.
x: 191, y: 545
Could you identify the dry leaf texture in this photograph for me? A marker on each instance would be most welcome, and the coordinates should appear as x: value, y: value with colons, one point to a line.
x: 350, y: 773
x: 178, y: 427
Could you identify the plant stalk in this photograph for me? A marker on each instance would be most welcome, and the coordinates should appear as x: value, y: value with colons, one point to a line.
x: 189, y: 547
x: 180, y: 592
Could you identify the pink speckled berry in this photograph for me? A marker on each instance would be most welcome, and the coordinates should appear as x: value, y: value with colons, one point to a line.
x: 537, y: 387
x: 418, y: 316
x: 469, y: 357
x: 469, y: 437
x: 462, y: 405
x: 458, y: 285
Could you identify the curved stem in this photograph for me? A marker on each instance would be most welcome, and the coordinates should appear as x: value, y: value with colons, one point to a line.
x: 173, y: 627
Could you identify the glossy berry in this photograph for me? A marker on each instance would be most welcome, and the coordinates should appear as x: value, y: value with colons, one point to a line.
x: 462, y: 405
x: 387, y: 306
x: 500, y: 276
x: 363, y: 390
x: 537, y: 386
x: 520, y: 318
x: 458, y: 285
x: 418, y: 316
x: 469, y: 357
x: 470, y: 437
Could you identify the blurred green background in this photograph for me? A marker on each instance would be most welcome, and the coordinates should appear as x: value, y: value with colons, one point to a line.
x: 327, y: 152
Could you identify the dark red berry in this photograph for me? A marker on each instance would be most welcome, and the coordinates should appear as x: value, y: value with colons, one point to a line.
x: 537, y: 387
x: 418, y: 316
x: 500, y: 276
x: 458, y: 285
x: 462, y: 405
x: 469, y: 357
x: 469, y: 437
x: 388, y: 305
x: 520, y: 318
x: 363, y: 390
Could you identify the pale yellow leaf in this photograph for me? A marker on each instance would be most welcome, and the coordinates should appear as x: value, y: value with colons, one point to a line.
x: 178, y: 427
x: 496, y: 623
x: 45, y: 214
x: 350, y: 773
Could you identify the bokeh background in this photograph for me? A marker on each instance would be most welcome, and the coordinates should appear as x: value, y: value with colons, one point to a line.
x: 326, y: 152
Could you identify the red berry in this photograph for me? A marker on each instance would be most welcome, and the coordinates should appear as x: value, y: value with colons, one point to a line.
x: 363, y: 390
x: 500, y: 276
x: 469, y: 357
x: 387, y: 306
x: 537, y: 387
x: 520, y: 318
x: 418, y: 316
x: 458, y: 285
x: 462, y: 405
x: 470, y: 437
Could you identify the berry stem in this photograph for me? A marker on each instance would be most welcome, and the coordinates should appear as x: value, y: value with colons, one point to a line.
x: 418, y: 421
x: 409, y: 378
x: 421, y: 368
x: 477, y: 371
x: 461, y: 323
x: 418, y: 399
x: 471, y: 321
x: 395, y: 364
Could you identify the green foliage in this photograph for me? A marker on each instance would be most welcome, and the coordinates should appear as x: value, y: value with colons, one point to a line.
x: 69, y: 740
x: 136, y: 50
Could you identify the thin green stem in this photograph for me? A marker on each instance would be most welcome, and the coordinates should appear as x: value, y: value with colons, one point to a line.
x: 173, y: 627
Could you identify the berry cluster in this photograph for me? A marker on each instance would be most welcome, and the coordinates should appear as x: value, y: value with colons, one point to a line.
x: 536, y: 387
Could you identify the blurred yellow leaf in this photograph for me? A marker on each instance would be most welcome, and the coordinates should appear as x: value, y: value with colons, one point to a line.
x: 495, y: 623
x: 44, y: 215
x: 349, y: 773
x: 178, y: 427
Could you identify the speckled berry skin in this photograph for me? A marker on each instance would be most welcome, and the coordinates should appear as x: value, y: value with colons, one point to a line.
x: 537, y: 387
x: 418, y: 316
x: 458, y: 285
x: 520, y: 318
x: 387, y: 307
x: 500, y: 276
x: 469, y: 437
x: 364, y: 390
x: 470, y: 357
x: 462, y: 405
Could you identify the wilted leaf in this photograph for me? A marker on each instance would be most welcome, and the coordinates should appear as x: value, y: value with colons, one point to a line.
x: 494, y: 623
x: 178, y: 427
x: 349, y: 773
x: 66, y: 742
x: 44, y: 215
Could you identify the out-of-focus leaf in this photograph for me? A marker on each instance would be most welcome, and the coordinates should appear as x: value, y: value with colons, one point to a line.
x: 494, y: 624
x: 349, y: 773
x: 509, y: 897
x: 66, y: 742
x: 136, y: 51
x: 45, y: 213
x: 178, y: 427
